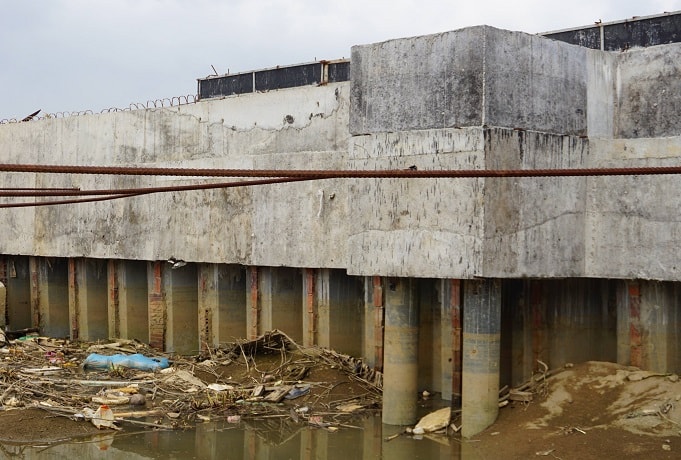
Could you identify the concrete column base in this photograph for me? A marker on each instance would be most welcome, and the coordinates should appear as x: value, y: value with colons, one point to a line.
x: 400, y: 367
x: 481, y: 346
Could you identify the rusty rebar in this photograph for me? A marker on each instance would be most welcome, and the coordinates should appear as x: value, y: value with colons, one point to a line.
x: 329, y: 174
x: 127, y: 193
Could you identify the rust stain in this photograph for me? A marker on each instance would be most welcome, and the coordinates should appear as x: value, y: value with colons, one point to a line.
x: 157, y: 278
x: 157, y: 313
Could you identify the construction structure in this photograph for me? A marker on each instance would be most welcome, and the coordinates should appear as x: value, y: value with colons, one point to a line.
x: 453, y: 284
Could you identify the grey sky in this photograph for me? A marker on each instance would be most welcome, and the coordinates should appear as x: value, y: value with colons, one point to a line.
x: 74, y: 55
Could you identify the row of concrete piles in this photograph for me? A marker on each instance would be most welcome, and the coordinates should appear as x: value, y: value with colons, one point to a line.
x: 462, y: 338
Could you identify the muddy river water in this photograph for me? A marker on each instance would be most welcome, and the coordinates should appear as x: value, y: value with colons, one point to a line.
x: 247, y: 441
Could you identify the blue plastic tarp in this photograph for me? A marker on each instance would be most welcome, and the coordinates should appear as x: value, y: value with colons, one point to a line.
x: 136, y: 361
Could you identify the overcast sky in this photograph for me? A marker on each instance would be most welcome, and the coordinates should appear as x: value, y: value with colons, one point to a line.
x: 74, y: 55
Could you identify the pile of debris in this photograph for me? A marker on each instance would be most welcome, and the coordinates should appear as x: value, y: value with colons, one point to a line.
x: 122, y: 381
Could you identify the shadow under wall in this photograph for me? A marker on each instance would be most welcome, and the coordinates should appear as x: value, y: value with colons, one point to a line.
x: 18, y: 294
x: 558, y: 322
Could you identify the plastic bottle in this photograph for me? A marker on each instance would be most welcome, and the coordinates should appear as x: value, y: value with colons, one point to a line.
x: 103, y: 417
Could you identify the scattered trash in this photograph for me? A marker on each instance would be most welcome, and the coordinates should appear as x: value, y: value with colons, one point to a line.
x: 434, y: 421
x: 298, y: 391
x: 258, y: 380
x: 350, y: 407
x: 219, y: 387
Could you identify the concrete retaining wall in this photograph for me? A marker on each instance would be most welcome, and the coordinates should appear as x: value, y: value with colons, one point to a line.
x: 477, y: 98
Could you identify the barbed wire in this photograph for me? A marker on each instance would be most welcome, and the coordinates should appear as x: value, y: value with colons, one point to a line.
x: 150, y: 104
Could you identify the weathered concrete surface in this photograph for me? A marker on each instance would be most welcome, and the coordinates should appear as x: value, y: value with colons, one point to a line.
x: 534, y: 226
x: 632, y: 223
x: 421, y: 226
x: 245, y: 132
x: 649, y: 92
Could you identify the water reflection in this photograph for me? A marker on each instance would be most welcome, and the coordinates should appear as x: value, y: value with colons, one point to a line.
x: 250, y: 441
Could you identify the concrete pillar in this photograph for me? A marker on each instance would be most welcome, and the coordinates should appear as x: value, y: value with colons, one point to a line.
x: 450, y: 331
x: 310, y: 308
x: 253, y: 303
x: 208, y: 304
x: 17, y: 280
x: 279, y: 297
x: 88, y: 299
x: 112, y: 299
x: 400, y: 367
x: 372, y: 344
x: 181, y: 298
x: 481, y: 340
x: 133, y: 299
x: 50, y: 295
x: 156, y: 304
x: 74, y: 311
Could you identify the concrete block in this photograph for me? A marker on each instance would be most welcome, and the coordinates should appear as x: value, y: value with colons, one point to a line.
x: 470, y: 77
